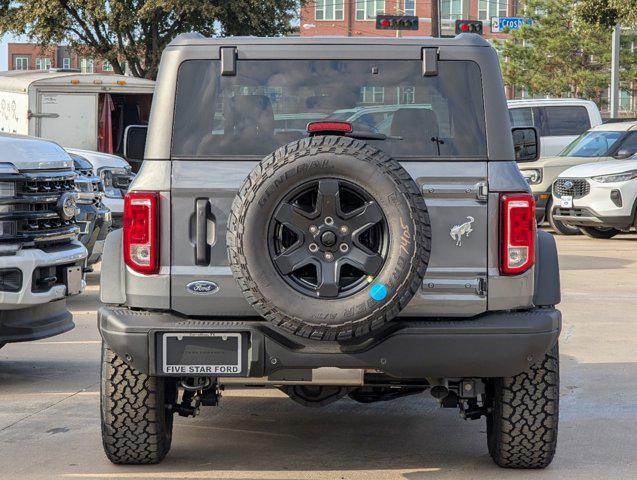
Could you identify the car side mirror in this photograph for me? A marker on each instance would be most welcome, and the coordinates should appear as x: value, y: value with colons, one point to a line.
x: 623, y: 154
x: 526, y: 144
x: 135, y: 144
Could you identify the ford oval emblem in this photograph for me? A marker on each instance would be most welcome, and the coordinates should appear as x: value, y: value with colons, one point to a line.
x: 202, y: 287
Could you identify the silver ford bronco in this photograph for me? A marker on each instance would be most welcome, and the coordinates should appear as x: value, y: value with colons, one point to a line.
x: 333, y: 217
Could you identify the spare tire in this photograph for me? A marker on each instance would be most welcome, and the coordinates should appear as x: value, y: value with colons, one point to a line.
x: 329, y: 238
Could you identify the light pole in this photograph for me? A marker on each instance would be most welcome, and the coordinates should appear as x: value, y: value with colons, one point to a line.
x: 614, y: 73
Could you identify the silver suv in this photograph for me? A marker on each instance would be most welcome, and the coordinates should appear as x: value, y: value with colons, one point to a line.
x: 342, y: 260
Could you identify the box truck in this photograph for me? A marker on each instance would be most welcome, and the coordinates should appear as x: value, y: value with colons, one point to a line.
x: 76, y: 110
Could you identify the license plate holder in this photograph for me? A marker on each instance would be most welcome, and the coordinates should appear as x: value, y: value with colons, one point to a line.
x: 222, y: 354
x: 73, y: 280
x: 566, y: 201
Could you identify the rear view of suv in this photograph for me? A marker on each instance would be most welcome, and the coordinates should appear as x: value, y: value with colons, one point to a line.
x: 346, y: 260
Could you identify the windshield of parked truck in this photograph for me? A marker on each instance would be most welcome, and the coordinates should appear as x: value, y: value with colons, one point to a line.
x: 592, y: 144
x: 268, y: 103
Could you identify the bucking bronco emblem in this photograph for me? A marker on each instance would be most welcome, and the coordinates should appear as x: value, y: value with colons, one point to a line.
x: 457, y: 231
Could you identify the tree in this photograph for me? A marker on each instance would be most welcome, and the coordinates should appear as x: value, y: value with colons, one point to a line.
x: 560, y: 55
x: 608, y: 12
x: 135, y: 32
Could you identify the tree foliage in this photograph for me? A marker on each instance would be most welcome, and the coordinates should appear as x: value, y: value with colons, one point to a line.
x: 136, y: 31
x: 608, y: 12
x: 561, y: 55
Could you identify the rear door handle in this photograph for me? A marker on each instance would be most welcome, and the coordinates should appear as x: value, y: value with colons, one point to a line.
x: 202, y: 249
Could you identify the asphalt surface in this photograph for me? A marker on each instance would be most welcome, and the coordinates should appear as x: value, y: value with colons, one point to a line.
x: 49, y: 406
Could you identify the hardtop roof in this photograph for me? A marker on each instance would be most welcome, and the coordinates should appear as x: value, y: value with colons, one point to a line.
x: 462, y: 40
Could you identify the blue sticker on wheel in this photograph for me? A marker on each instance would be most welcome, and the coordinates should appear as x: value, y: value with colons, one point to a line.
x: 378, y: 292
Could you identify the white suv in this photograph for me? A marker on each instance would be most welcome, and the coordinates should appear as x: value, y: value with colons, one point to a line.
x: 601, y: 198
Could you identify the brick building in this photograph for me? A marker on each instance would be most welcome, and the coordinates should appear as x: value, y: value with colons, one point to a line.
x: 31, y: 56
x: 357, y: 17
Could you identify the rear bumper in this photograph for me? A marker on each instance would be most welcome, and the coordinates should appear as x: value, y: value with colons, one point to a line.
x: 496, y: 344
x: 34, y: 323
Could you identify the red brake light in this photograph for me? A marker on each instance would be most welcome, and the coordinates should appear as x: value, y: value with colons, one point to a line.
x: 327, y: 127
x: 518, y: 235
x: 141, y: 231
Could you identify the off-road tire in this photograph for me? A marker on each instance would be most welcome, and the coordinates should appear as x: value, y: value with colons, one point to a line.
x: 559, y: 227
x: 136, y: 425
x: 601, y: 233
x: 522, y: 426
x: 319, y: 157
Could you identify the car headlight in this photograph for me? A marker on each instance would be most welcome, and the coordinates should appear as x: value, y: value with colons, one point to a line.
x: 532, y: 176
x: 617, y: 177
x: 115, y: 180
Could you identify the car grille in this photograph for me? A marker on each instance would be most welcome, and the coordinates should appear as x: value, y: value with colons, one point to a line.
x: 90, y: 189
x: 575, y: 187
x: 29, y: 213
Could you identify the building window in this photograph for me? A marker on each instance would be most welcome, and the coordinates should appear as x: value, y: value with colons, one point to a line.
x: 368, y: 9
x: 406, y: 95
x: 66, y: 62
x: 329, y: 9
x: 410, y: 7
x: 451, y: 10
x: 42, y: 63
x: 87, y: 65
x: 492, y: 8
x: 106, y: 66
x: 373, y: 95
x: 21, y: 63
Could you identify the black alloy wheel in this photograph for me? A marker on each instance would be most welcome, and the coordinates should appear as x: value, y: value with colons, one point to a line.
x: 328, y: 238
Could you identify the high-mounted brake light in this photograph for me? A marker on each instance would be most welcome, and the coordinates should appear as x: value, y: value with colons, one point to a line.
x: 329, y: 127
x: 517, y: 233
x: 141, y: 231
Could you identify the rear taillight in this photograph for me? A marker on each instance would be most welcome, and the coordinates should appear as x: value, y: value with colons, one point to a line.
x: 517, y: 233
x: 141, y: 231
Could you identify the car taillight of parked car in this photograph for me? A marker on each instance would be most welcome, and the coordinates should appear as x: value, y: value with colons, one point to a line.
x: 141, y: 232
x: 517, y: 233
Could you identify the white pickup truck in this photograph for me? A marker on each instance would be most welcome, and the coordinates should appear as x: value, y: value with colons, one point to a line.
x: 41, y: 259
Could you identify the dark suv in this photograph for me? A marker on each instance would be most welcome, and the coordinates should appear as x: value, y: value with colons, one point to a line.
x: 333, y: 218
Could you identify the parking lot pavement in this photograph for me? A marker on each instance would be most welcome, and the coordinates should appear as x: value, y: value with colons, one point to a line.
x: 49, y: 405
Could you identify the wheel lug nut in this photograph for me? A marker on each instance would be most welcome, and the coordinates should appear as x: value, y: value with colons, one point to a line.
x: 329, y: 257
x: 344, y: 229
x: 313, y: 247
x: 329, y: 221
x: 313, y: 229
x: 344, y: 247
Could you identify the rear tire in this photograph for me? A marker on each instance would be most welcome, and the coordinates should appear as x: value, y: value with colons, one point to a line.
x: 559, y: 227
x: 522, y: 425
x: 136, y: 423
x: 596, y: 232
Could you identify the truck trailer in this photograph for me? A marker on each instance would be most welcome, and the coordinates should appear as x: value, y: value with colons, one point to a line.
x: 76, y: 110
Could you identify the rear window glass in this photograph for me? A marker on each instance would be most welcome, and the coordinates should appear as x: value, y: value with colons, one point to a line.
x: 270, y: 102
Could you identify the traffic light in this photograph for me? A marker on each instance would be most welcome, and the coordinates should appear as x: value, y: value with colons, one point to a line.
x: 396, y: 22
x: 468, y: 26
